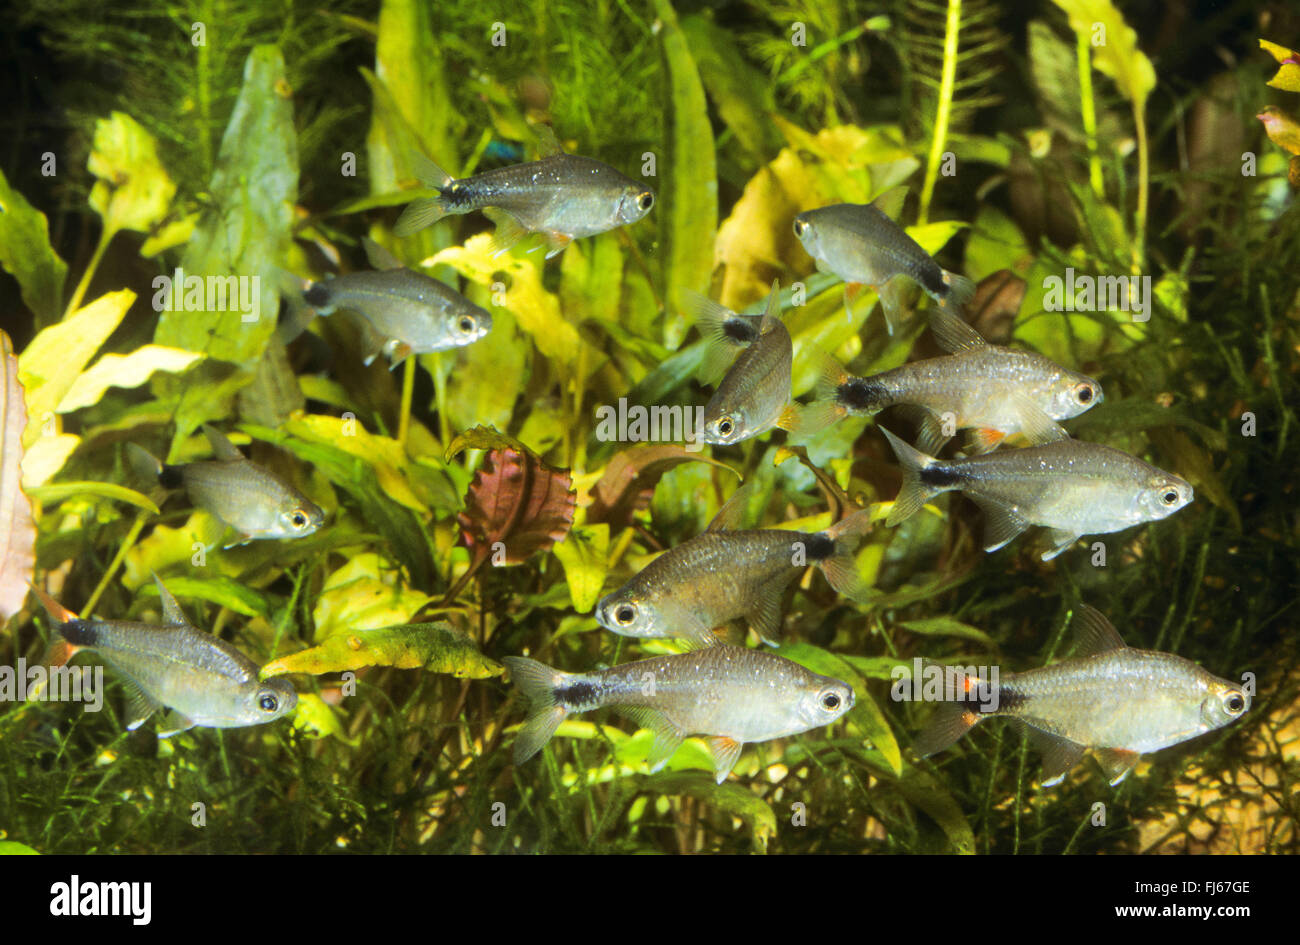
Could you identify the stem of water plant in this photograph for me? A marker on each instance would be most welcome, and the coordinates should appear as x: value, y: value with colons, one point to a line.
x: 1140, y: 229
x: 1089, y: 109
x: 408, y: 388
x: 84, y: 284
x: 946, y: 85
x: 116, y: 563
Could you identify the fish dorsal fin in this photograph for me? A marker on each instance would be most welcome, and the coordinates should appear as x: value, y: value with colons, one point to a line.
x: 952, y: 333
x: 548, y: 145
x: 890, y: 203
x: 171, y: 611
x: 1094, y: 633
x: 221, y: 446
x: 732, y: 514
x: 378, y: 256
x: 772, y: 313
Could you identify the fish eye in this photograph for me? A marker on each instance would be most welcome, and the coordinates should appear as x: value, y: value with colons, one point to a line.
x: 1083, y: 393
x: 799, y: 227
x: 268, y: 702
x: 725, y: 426
x: 298, y: 518
x: 1170, y: 497
x: 1234, y: 703
x: 646, y: 201
x: 466, y: 324
x: 625, y: 614
x: 831, y: 701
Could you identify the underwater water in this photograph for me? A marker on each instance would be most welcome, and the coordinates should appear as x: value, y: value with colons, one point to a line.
x: 598, y: 429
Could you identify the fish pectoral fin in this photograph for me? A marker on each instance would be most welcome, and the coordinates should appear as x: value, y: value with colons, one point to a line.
x: 953, y: 333
x: 851, y: 291
x: 1117, y: 763
x: 893, y: 302
x: 139, y: 705
x: 1061, y: 539
x: 667, y: 735
x: 508, y: 233
x: 1059, y: 755
x: 1002, y: 523
x: 556, y: 243
x: 726, y: 752
x: 173, y: 723
x: 1038, y: 428
x: 930, y: 437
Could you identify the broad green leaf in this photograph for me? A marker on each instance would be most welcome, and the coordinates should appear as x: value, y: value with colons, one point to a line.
x: 432, y: 646
x: 133, y: 190
x: 26, y: 254
x: 584, y: 553
x: 996, y: 243
x: 1114, y: 46
x: 217, y: 589
x: 947, y: 627
x: 14, y: 848
x: 865, y: 713
x: 246, y: 232
x: 58, y: 491
x: 383, y: 454
x: 123, y: 370
x: 741, y: 94
x: 688, y: 208
x: 316, y: 718
x: 925, y: 792
x: 45, y: 457
x: 52, y: 362
x: 364, y: 594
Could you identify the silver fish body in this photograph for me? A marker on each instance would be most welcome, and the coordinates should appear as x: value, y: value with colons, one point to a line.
x: 754, y: 394
x: 719, y: 576
x: 404, y: 312
x: 1120, y: 701
x: 203, y: 680
x: 241, y: 494
x: 732, y: 694
x: 1069, y: 486
x: 565, y: 196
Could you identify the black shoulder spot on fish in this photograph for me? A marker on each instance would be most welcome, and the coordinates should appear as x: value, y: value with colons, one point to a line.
x: 861, y: 394
x: 577, y: 694
x: 456, y: 194
x: 170, y: 477
x: 1009, y: 699
x: 739, y: 330
x: 317, y: 295
x: 819, y: 547
x: 930, y: 276
x: 79, y: 632
x: 939, y: 475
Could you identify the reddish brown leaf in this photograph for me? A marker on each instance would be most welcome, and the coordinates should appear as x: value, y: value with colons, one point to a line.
x: 630, y: 479
x: 518, y: 500
x: 17, y: 533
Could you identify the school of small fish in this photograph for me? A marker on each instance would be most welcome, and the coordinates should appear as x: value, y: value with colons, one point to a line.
x: 1117, y: 701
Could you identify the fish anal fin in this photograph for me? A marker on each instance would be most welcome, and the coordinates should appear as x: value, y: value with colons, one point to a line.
x: 508, y: 233
x: 982, y: 440
x: 556, y: 242
x: 790, y: 418
x: 173, y: 723
x: 732, y: 514
x: 1094, y: 633
x: 1061, y: 540
x: 930, y: 437
x: 726, y: 752
x: 893, y: 302
x: 667, y: 735
x: 1117, y: 763
x: 851, y: 292
x: 765, y: 614
x: 950, y: 721
x: 1002, y: 523
x: 139, y: 704
x: 1060, y: 755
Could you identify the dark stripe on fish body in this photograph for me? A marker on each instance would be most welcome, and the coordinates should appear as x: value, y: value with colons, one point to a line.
x: 739, y: 330
x: 458, y: 195
x: 317, y: 295
x: 578, y: 695
x: 862, y: 394
x: 79, y: 632
x: 171, y: 477
x: 940, y: 476
x: 929, y: 274
x: 819, y: 547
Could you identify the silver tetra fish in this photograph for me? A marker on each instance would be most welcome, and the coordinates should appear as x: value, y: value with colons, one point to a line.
x: 990, y: 391
x: 861, y: 245
x: 720, y: 575
x: 731, y: 694
x: 562, y: 196
x: 754, y: 396
x: 1069, y: 486
x: 1118, y: 701
x: 241, y: 494
x: 201, y: 679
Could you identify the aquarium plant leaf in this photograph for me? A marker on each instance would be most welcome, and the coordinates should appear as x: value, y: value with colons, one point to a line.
x: 436, y: 647
x: 132, y: 190
x: 630, y: 477
x: 365, y: 593
x: 246, y: 230
x: 947, y: 627
x: 728, y: 798
x: 584, y: 554
x: 516, y: 505
x: 316, y: 718
x: 223, y: 591
x: 17, y: 530
x: 58, y: 491
x: 1288, y: 75
x: 688, y: 213
x: 26, y: 254
x: 124, y: 370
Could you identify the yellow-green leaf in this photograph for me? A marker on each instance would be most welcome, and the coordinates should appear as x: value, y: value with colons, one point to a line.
x: 58, y: 491
x: 1114, y: 45
x: 45, y: 457
x: 316, y: 718
x: 26, y: 254
x: 365, y: 594
x: 584, y: 553
x: 432, y: 646
x: 383, y: 454
x: 123, y: 370
x: 133, y: 191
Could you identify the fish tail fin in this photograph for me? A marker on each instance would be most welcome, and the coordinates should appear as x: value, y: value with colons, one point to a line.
x: 537, y: 682
x: 150, y: 468
x: 299, y: 307
x: 426, y: 211
x: 950, y: 721
x: 723, y: 331
x: 841, y: 566
x: 67, y: 625
x: 825, y: 408
x: 914, y: 493
x: 960, y: 291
